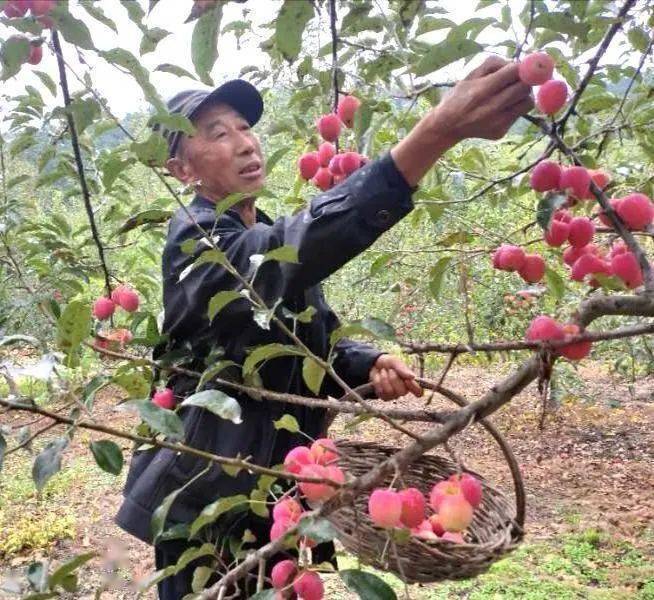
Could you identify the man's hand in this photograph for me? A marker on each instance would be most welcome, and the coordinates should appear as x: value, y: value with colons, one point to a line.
x: 392, y: 379
x: 484, y: 105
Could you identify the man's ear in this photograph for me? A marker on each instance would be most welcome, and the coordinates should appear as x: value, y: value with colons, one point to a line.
x: 179, y: 169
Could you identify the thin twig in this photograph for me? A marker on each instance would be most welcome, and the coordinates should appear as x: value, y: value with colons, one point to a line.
x: 532, y: 12
x: 594, y: 62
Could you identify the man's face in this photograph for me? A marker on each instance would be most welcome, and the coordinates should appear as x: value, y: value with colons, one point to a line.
x: 224, y: 154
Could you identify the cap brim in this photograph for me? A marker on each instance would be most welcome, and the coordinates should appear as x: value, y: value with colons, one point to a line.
x: 240, y: 95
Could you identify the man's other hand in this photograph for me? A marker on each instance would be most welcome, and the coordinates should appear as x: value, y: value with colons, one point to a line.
x: 392, y: 378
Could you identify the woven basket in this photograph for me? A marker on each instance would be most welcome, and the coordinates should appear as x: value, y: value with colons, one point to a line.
x: 496, y: 529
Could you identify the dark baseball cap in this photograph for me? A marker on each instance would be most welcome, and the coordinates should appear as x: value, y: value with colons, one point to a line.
x: 237, y: 93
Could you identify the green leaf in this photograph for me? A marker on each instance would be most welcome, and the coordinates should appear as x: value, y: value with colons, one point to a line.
x: 436, y: 276
x: 91, y: 388
x: 84, y: 112
x: 72, y: 29
x: 220, y: 300
x: 152, y: 152
x: 430, y: 23
x: 108, y: 455
x: 93, y: 8
x: 134, y: 11
x: 214, y: 510
x: 21, y: 143
x: 378, y: 328
x: 268, y: 352
x: 172, y: 122
x: 638, y: 38
x: 319, y: 530
x: 228, y: 202
x: 210, y: 372
x: 150, y: 39
x: 380, y: 263
x: 191, y: 554
x: 153, y: 215
x: 561, y: 22
x: 159, y: 419
x: 288, y: 422
x: 73, y: 326
x: 125, y: 59
x: 134, y: 381
x: 367, y: 585
x: 174, y: 70
x: 313, y: 374
x: 275, y: 157
x: 59, y: 576
x: 445, y: 53
x: 456, y: 237
x: 306, y: 315
x: 204, y: 42
x: 218, y: 403
x: 555, y: 283
x: 201, y: 576
x: 284, y: 253
x: 179, y: 531
x: 47, y: 81
x: 258, y: 503
x: 158, y: 520
x: 289, y: 27
x: 48, y: 462
x: 546, y: 207
x: 362, y: 121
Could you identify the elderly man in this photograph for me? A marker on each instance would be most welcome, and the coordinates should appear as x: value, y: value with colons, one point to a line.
x: 224, y: 156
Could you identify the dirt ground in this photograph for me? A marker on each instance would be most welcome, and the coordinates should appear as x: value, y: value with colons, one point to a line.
x: 592, y: 464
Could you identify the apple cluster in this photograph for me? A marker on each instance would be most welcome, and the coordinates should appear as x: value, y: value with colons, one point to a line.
x: 544, y: 328
x: 317, y: 461
x: 324, y: 167
x: 122, y: 296
x: 531, y: 267
x: 537, y: 69
x: 38, y: 9
x: 453, y: 502
x: 585, y: 259
x: 291, y: 582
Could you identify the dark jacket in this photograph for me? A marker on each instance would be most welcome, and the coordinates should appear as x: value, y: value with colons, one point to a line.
x: 337, y: 226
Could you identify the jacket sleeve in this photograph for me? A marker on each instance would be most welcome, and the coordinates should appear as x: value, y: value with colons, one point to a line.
x: 337, y: 226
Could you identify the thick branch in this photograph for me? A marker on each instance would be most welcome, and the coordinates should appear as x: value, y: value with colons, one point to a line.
x: 78, y: 158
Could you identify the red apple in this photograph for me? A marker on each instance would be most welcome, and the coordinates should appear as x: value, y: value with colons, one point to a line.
x: 385, y: 508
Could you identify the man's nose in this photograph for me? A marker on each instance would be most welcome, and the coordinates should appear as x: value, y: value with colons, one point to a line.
x: 245, y: 142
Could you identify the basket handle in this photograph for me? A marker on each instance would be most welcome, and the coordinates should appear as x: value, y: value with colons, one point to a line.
x: 518, y: 482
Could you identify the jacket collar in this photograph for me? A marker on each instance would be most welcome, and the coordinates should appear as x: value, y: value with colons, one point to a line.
x: 202, y: 202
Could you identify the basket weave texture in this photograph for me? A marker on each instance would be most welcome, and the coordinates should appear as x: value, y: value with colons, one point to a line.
x: 496, y: 528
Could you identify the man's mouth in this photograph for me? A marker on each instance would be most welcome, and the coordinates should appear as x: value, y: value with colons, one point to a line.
x: 251, y: 170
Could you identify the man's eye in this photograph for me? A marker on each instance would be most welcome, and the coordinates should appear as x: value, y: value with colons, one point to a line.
x: 220, y: 134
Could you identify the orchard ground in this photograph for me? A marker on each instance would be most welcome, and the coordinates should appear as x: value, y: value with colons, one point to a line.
x: 588, y: 475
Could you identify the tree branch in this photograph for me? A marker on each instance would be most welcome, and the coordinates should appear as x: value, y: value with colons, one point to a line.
x: 78, y: 158
x: 592, y: 65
